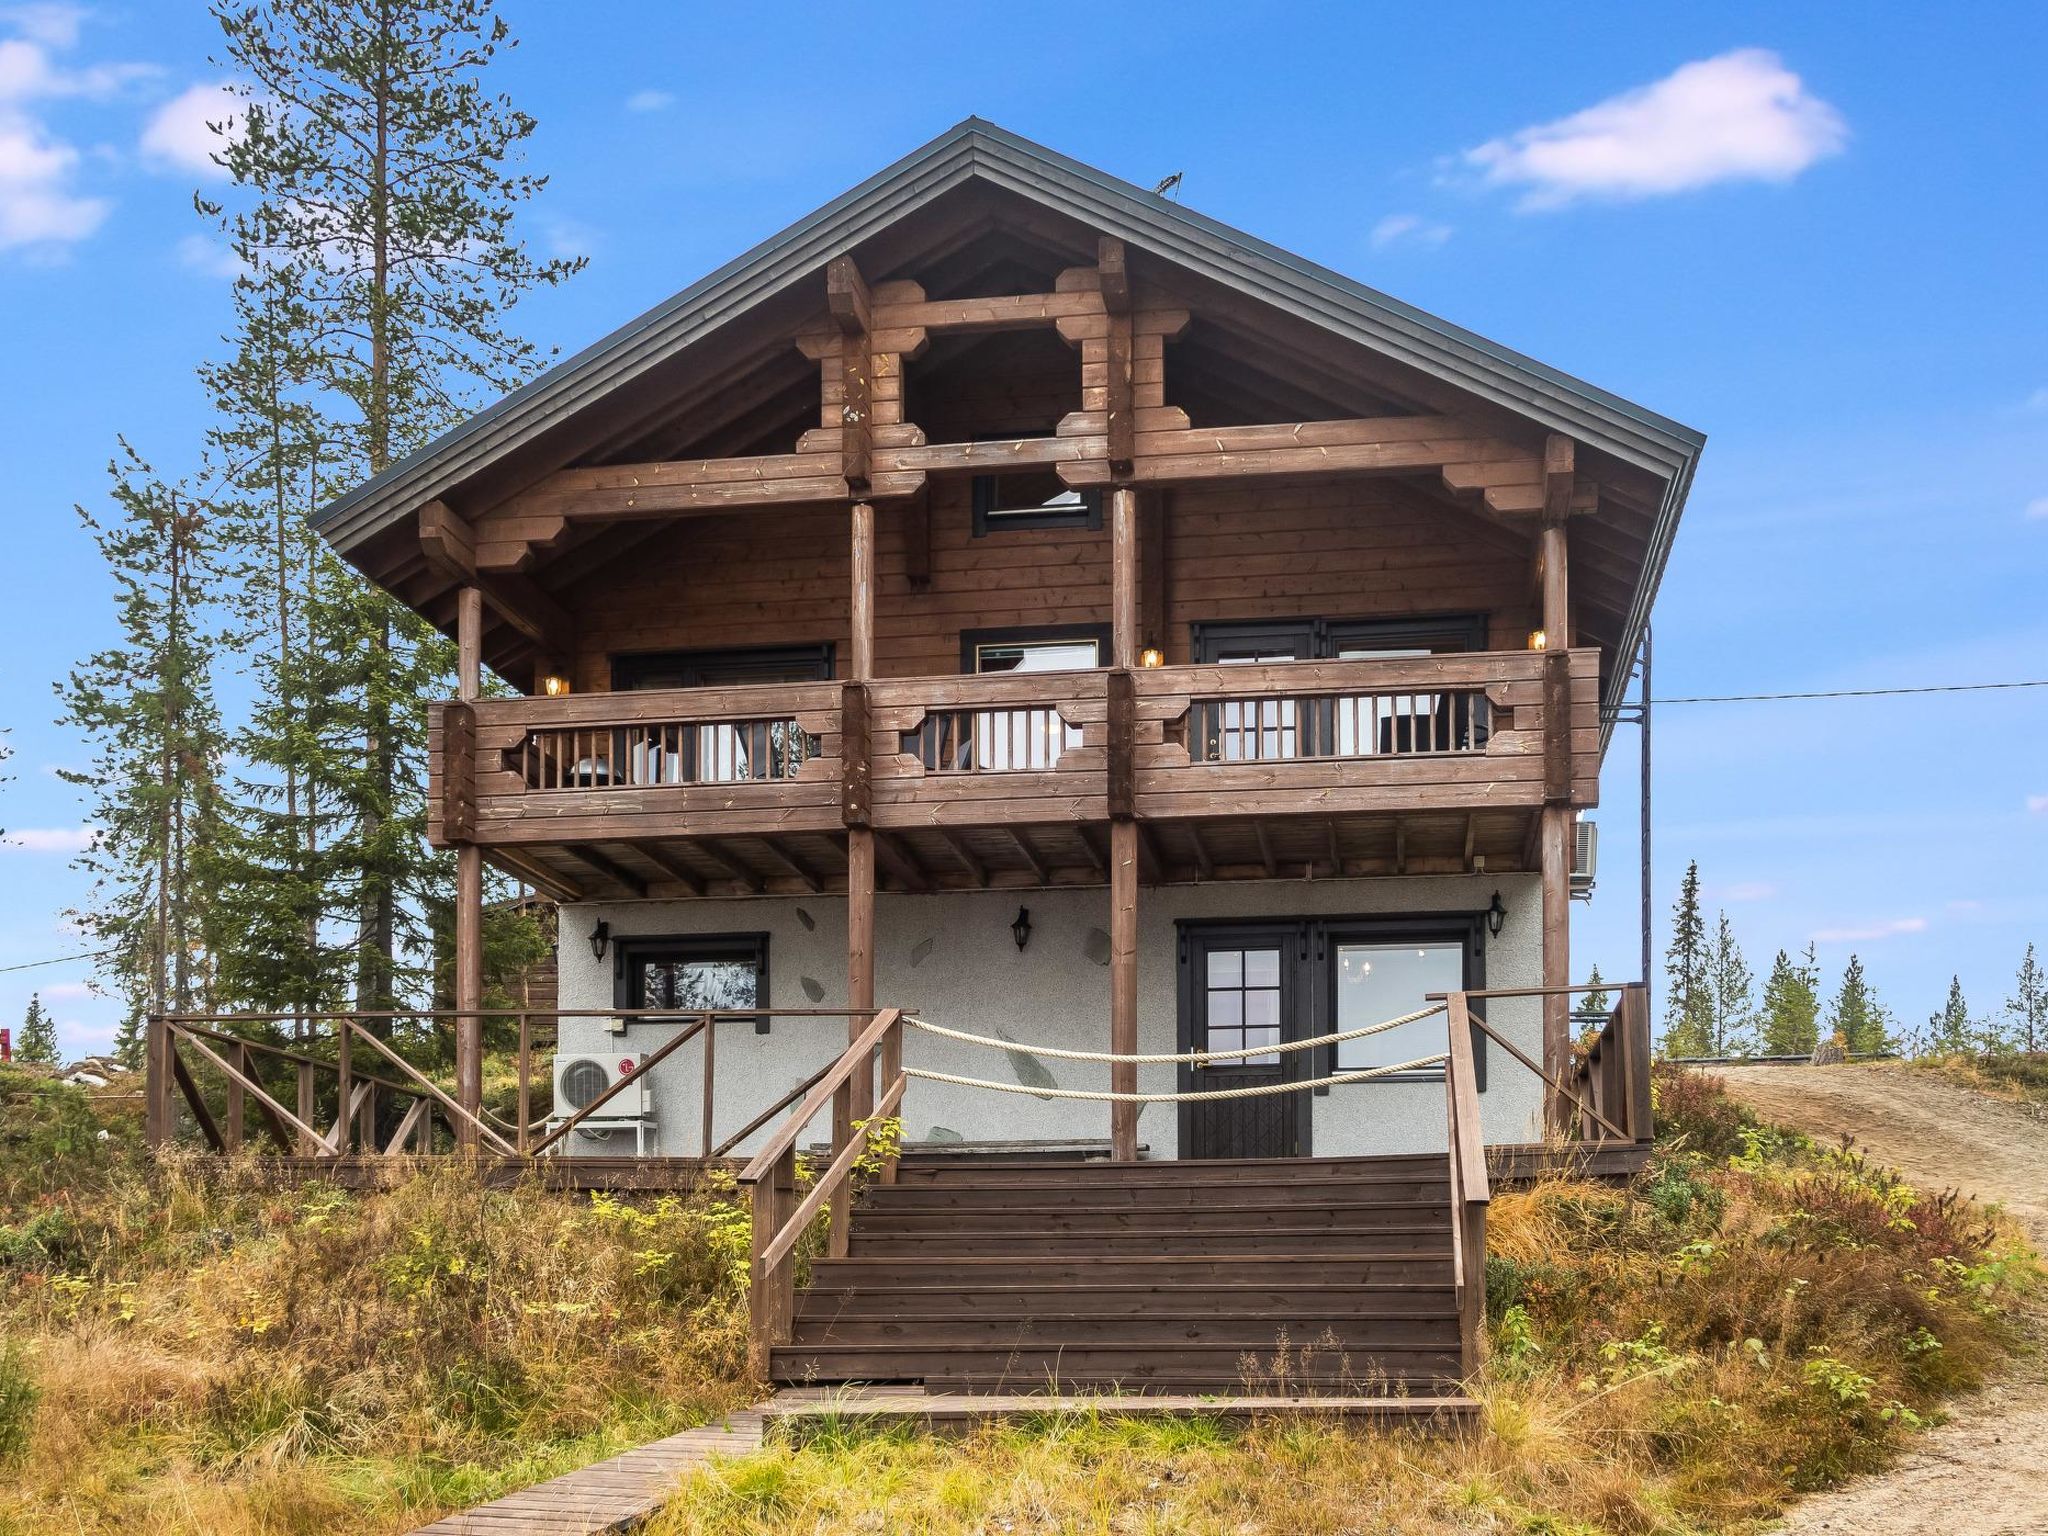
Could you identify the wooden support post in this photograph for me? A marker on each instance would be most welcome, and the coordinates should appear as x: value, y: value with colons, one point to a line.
x: 231, y: 1132
x: 1123, y: 828
x: 1555, y: 830
x: 770, y: 1294
x: 855, y: 1100
x: 525, y: 1081
x: 469, y: 889
x: 344, y: 1121
x: 308, y: 1147
x: 156, y: 1115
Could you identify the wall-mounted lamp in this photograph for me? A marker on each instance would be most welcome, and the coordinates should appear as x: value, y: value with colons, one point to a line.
x: 1538, y: 640
x: 1151, y: 656
x: 1020, y: 929
x: 554, y: 685
x: 1496, y: 914
x: 601, y: 937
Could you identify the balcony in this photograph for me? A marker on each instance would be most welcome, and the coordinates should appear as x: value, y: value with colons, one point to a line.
x: 1384, y: 765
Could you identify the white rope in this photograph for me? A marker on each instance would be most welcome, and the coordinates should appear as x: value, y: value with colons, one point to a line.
x: 1194, y: 1058
x: 1259, y: 1091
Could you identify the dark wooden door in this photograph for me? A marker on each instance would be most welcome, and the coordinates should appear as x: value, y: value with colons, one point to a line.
x: 1244, y: 990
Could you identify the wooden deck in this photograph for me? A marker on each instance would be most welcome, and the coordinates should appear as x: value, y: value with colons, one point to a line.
x: 615, y: 1495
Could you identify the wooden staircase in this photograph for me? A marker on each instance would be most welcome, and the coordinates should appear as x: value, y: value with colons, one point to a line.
x: 1325, y: 1276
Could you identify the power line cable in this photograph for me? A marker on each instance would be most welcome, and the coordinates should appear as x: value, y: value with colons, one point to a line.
x: 60, y: 960
x: 1848, y: 693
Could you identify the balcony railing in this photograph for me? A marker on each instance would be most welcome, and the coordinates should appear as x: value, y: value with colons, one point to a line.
x: 1468, y: 731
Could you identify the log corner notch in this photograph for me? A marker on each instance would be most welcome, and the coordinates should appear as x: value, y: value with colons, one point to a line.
x: 448, y: 543
x: 1113, y: 272
x: 847, y: 297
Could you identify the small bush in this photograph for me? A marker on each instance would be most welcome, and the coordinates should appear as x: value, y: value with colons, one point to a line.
x: 17, y: 1403
x: 1694, y: 1111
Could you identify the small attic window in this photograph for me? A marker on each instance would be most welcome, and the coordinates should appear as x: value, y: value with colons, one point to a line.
x: 1032, y: 498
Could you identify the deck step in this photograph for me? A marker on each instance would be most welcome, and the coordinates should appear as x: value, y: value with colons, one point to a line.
x: 1135, y: 1363
x: 964, y: 1412
x: 995, y: 1299
x: 1172, y: 1328
x: 1422, y: 1266
x: 1151, y: 1194
x: 1208, y: 1170
x: 1405, y: 1237
x: 1411, y: 1216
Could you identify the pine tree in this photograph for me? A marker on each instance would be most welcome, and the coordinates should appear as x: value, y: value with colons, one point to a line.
x: 38, y: 1041
x: 1791, y: 1007
x: 1857, y: 1016
x: 1949, y: 1031
x: 1597, y: 998
x: 1688, y: 1010
x: 2027, y: 1008
x: 146, y: 705
x: 373, y: 210
x: 1731, y: 994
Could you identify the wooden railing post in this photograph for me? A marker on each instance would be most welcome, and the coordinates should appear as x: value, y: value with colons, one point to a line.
x: 891, y: 1075
x: 156, y: 1117
x: 308, y: 1145
x: 770, y: 1296
x: 344, y: 1036
x: 710, y: 1072
x: 525, y: 1083
x: 238, y: 1055
x: 1634, y: 1035
x: 1470, y: 1185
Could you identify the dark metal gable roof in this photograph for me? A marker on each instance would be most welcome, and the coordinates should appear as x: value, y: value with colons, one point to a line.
x: 980, y: 150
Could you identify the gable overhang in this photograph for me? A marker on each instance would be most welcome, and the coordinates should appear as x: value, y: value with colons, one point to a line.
x: 976, y: 150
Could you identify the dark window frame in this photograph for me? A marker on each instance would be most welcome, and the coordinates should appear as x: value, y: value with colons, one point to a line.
x: 630, y: 670
x: 1031, y: 634
x: 1314, y: 987
x: 990, y: 517
x: 630, y: 951
x: 1324, y: 637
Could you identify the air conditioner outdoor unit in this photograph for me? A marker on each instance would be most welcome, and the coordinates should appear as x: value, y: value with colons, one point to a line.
x: 580, y: 1079
x: 1585, y: 859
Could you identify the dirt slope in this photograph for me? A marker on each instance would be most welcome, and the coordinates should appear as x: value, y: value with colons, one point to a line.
x: 1984, y: 1473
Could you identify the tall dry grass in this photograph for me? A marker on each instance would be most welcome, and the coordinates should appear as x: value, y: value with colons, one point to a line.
x: 194, y: 1350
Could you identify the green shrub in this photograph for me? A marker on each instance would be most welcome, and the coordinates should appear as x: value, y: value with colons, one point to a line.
x: 17, y: 1403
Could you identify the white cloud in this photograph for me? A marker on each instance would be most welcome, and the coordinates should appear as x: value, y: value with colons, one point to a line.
x: 1740, y: 116
x: 209, y: 256
x: 42, y: 209
x: 1863, y: 933
x: 50, y: 839
x: 1408, y: 229
x: 566, y: 239
x: 53, y: 25
x: 65, y: 991
x: 180, y: 134
x: 650, y: 101
x: 2037, y: 509
x: 2037, y: 805
x: 2037, y: 401
x: 1745, y: 890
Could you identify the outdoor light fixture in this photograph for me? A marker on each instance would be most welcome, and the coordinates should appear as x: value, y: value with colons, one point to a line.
x: 554, y: 685
x: 1020, y: 930
x: 1538, y: 640
x: 601, y: 937
x: 1151, y: 656
x: 1496, y: 914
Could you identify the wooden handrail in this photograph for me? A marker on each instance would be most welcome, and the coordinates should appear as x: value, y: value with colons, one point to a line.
x: 1509, y: 1046
x: 248, y: 1085
x: 770, y: 1112
x: 618, y: 1086
x: 834, y: 1175
x: 820, y: 1095
x: 1470, y: 1189
x: 461, y: 1115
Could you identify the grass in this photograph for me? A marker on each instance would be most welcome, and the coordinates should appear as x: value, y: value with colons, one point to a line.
x: 184, y: 1349
x: 1754, y: 1318
x: 2021, y: 1076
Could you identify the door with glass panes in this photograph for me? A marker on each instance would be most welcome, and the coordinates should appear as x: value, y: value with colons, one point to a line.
x: 1242, y: 990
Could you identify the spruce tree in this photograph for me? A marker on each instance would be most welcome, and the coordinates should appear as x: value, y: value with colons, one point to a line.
x: 1688, y: 1013
x: 146, y: 706
x: 2027, y: 1008
x: 1791, y: 1008
x: 375, y: 188
x: 1856, y: 1015
x: 1948, y: 1030
x: 38, y: 1039
x: 1731, y: 995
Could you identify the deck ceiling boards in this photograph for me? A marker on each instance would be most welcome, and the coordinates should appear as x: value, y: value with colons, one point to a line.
x: 979, y: 205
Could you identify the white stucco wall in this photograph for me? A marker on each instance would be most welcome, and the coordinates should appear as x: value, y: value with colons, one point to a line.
x: 950, y: 956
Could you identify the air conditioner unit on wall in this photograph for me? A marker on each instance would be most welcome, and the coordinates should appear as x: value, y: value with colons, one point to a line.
x: 1585, y: 858
x: 579, y: 1079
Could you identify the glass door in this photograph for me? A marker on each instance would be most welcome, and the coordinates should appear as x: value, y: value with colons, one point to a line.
x: 1245, y: 994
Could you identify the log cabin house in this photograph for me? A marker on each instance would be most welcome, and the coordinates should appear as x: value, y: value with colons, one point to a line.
x: 1011, y: 600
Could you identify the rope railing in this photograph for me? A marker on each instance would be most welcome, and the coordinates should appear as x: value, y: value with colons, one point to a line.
x: 1254, y: 1091
x: 1161, y: 1059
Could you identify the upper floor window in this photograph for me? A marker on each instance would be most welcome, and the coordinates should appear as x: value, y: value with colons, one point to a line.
x: 1032, y: 498
x: 1060, y: 648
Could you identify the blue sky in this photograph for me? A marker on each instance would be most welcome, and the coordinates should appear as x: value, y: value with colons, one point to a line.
x: 1815, y: 233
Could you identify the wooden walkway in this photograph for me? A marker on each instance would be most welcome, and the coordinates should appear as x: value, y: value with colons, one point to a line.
x: 615, y: 1495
